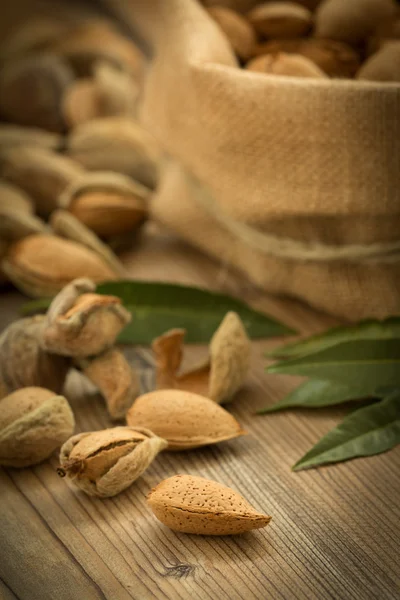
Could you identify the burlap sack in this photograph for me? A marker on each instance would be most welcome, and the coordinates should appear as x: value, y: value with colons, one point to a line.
x: 295, y: 182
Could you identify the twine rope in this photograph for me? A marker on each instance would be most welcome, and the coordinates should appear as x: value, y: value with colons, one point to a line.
x: 287, y: 248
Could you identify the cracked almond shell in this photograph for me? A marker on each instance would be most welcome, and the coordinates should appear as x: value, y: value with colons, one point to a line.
x: 81, y: 324
x: 24, y: 363
x: 191, y: 504
x: 220, y: 376
x: 184, y: 419
x: 104, y: 463
x: 115, y: 378
x: 33, y: 423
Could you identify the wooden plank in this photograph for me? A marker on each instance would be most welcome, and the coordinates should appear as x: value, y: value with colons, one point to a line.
x: 334, y: 532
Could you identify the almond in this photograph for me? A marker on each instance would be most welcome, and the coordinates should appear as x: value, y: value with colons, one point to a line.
x: 41, y: 173
x: 336, y: 59
x: 280, y: 19
x: 82, y: 323
x: 104, y: 463
x: 98, y: 39
x: 116, y: 144
x: 184, y: 419
x: 31, y: 90
x: 200, y: 506
x: 110, y: 204
x: 291, y: 65
x: 220, y: 376
x: 237, y: 29
x: 41, y: 265
x: 117, y: 381
x: 33, y: 423
x: 384, y: 65
x: 351, y: 21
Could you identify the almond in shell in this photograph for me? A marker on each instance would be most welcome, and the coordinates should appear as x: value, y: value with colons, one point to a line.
x: 41, y: 265
x: 280, y: 19
x: 184, y: 419
x: 104, y: 463
x: 192, y: 504
x: 33, y: 423
x: 237, y: 29
x: 81, y: 323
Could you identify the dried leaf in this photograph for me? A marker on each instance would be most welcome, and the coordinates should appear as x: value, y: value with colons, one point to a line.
x: 157, y: 307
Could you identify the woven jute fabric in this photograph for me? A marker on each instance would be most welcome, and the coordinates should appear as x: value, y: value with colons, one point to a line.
x: 284, y: 159
x: 294, y: 182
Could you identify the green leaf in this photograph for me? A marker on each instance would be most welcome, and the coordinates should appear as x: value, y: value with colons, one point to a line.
x: 367, y: 431
x: 317, y: 394
x: 157, y: 307
x: 375, y: 330
x: 35, y: 306
x: 373, y: 363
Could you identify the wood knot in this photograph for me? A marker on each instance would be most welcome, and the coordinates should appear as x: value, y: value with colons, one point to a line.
x: 179, y: 571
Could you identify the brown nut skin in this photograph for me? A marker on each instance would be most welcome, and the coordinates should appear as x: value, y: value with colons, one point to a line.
x: 41, y: 265
x: 237, y: 29
x: 33, y: 423
x: 104, y: 463
x: 200, y: 506
x: 184, y: 419
x: 351, y: 21
x: 382, y: 66
x: 31, y: 90
x: 24, y: 363
x: 83, y: 324
x: 108, y: 213
x: 336, y: 59
x: 290, y: 65
x: 280, y: 19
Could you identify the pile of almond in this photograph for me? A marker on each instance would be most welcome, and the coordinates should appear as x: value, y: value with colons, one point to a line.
x: 76, y: 169
x: 357, y: 39
x: 79, y: 331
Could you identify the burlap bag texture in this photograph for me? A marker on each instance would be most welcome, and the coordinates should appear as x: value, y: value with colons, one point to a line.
x: 294, y: 182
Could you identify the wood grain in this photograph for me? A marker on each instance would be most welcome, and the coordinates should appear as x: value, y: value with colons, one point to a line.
x: 334, y: 532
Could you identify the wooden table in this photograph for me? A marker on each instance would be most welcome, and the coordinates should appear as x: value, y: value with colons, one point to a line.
x: 334, y: 533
